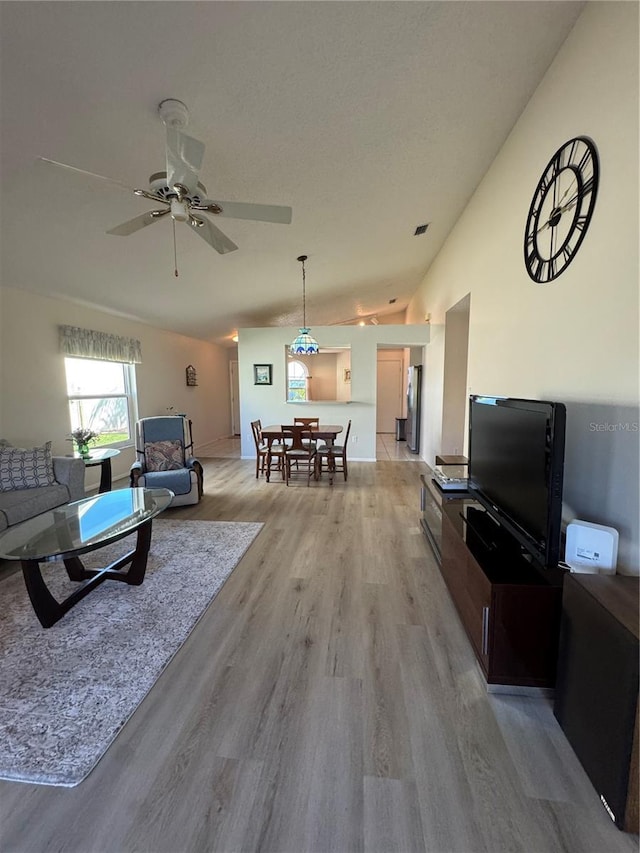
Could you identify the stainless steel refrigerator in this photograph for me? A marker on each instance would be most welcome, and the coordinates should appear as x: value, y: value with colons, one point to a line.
x: 414, y: 384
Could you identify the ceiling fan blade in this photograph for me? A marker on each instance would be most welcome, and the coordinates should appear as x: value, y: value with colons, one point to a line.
x: 184, y: 159
x: 84, y: 172
x: 143, y: 193
x: 212, y: 235
x: 138, y: 222
x: 243, y: 210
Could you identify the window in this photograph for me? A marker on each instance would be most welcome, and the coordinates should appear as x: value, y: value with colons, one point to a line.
x: 297, y: 381
x: 102, y: 398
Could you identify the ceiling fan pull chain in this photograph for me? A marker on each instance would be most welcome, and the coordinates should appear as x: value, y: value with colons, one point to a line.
x: 175, y: 252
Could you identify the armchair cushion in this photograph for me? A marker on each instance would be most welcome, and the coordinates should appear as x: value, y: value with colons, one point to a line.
x: 179, y: 482
x: 163, y: 456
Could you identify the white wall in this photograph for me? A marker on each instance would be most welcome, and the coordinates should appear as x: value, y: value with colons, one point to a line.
x: 33, y: 385
x: 576, y: 339
x: 268, y: 402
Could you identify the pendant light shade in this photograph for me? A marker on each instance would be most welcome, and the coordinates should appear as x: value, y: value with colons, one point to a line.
x: 304, y: 344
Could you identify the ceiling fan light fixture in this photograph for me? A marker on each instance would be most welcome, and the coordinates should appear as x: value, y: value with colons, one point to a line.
x: 304, y: 344
x: 179, y: 210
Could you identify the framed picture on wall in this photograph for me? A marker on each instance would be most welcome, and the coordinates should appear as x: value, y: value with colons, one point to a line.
x: 346, y: 374
x: 262, y: 374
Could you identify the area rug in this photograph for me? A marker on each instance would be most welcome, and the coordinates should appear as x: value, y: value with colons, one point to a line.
x: 67, y: 691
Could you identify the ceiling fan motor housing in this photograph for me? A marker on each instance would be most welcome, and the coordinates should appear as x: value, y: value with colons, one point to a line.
x: 158, y: 186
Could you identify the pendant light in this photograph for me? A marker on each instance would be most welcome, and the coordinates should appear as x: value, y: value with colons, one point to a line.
x: 304, y: 344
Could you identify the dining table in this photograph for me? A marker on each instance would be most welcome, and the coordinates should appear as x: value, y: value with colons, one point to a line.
x: 327, y: 432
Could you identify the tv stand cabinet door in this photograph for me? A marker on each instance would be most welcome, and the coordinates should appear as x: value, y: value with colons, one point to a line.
x: 526, y: 626
x: 469, y: 587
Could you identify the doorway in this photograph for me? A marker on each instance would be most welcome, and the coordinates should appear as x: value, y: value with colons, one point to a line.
x: 389, y: 390
x: 454, y: 391
x: 234, y: 385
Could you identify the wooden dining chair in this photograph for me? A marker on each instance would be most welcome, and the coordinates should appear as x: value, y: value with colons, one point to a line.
x: 300, y: 451
x: 307, y: 422
x: 262, y: 448
x: 335, y: 456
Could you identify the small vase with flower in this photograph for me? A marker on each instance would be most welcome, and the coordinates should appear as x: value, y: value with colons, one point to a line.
x: 82, y: 437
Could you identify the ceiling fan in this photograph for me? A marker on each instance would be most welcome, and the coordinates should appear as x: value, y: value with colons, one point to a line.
x: 183, y: 197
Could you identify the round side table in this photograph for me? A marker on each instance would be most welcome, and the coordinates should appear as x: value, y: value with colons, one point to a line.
x: 101, y: 456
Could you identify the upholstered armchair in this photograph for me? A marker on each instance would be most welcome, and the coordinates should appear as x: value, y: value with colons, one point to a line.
x: 165, y: 459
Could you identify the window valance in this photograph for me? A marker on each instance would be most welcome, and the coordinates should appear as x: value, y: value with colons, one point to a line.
x: 87, y: 343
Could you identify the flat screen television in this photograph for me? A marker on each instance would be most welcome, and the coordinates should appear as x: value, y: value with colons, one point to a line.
x: 516, y: 463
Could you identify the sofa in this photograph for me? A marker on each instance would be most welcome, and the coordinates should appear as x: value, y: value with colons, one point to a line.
x: 19, y: 504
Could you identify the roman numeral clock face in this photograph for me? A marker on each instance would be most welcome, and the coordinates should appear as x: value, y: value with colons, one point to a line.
x: 561, y: 210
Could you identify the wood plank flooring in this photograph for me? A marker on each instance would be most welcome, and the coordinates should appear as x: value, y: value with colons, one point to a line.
x: 328, y: 700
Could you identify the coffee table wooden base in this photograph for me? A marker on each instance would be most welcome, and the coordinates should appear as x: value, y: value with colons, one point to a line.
x: 49, y: 610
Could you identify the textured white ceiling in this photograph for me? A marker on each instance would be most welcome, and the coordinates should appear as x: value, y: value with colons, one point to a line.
x: 367, y: 118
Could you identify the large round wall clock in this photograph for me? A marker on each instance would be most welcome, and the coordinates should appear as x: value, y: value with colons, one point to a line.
x: 561, y: 209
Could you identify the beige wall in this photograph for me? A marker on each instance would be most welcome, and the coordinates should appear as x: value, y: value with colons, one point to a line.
x: 32, y: 378
x: 267, y: 402
x: 574, y: 340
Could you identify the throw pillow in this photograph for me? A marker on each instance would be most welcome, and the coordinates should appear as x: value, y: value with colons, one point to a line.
x: 163, y: 456
x: 26, y: 469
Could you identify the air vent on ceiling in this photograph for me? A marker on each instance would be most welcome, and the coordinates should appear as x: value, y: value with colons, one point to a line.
x: 420, y: 229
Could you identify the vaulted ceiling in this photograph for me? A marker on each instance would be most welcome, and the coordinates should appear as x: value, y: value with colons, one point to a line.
x: 368, y: 119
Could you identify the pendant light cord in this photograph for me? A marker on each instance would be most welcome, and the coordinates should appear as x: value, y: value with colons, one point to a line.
x: 304, y: 297
x: 302, y: 259
x: 175, y: 250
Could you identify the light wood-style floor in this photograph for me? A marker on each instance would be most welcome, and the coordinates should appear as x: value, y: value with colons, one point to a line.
x: 328, y: 700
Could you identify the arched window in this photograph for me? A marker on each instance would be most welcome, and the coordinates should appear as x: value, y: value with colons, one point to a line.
x: 298, y: 376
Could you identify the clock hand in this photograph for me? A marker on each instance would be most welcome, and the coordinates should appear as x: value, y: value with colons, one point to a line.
x: 564, y: 194
x: 560, y: 209
x: 571, y: 203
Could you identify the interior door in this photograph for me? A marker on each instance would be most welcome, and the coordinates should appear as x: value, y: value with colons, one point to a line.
x: 389, y: 394
x: 235, y: 397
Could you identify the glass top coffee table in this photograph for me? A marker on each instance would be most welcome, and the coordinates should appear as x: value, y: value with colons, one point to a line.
x: 77, y: 528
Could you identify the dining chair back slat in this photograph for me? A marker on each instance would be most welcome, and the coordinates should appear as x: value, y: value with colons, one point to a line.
x: 309, y: 422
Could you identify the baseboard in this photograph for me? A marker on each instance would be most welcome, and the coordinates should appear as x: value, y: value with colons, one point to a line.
x: 518, y: 690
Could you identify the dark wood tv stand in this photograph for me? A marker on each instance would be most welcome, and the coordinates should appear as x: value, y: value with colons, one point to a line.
x: 510, y: 610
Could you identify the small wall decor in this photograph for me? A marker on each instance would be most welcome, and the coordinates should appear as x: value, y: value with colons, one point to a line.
x: 192, y: 379
x: 262, y: 374
x: 346, y: 374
